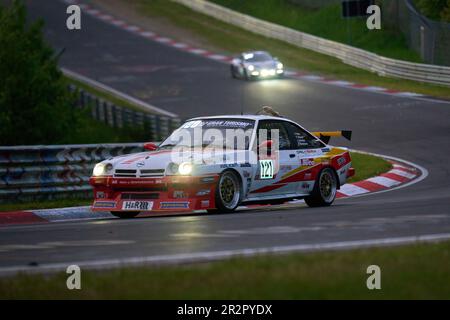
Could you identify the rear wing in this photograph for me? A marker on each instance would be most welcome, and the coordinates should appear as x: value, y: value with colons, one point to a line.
x: 326, y: 135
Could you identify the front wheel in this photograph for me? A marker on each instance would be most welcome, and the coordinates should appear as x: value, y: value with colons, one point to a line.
x: 325, y: 189
x: 125, y: 214
x: 228, y: 192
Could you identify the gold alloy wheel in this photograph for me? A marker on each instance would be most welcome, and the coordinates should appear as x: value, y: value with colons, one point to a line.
x: 327, y: 185
x: 229, y: 189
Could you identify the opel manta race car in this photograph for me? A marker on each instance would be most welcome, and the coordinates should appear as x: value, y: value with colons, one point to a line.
x: 256, y: 65
x: 218, y: 163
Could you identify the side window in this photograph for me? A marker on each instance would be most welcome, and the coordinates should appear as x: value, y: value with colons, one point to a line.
x: 300, y: 139
x: 284, y: 141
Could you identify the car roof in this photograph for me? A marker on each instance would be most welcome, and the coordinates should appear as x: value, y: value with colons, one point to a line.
x: 245, y: 116
x: 257, y: 52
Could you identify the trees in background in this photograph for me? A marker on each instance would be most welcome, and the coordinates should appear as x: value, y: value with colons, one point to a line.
x: 35, y: 105
x: 434, y: 9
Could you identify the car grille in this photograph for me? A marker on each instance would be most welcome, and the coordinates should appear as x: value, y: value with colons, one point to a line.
x: 125, y: 173
x: 145, y: 173
x: 139, y: 196
x: 152, y: 173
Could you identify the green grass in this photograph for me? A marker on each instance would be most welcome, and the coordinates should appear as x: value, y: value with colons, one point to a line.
x: 317, y: 22
x: 106, y: 95
x: 221, y: 36
x: 417, y: 271
x: 366, y: 166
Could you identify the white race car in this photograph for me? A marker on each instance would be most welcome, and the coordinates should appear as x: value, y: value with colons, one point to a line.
x: 256, y: 65
x: 217, y: 163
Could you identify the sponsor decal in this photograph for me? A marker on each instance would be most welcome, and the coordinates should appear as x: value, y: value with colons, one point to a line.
x: 305, y: 185
x: 137, y: 205
x: 231, y: 165
x: 308, y: 176
x: 204, y: 203
x: 307, y: 162
x: 174, y: 205
x: 341, y: 161
x: 246, y: 174
x: 204, y: 192
x: 245, y: 165
x: 104, y: 204
x: 100, y: 195
x: 178, y: 194
x: 326, y: 150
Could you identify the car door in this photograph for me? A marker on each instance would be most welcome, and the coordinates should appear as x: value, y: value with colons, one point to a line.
x: 269, y: 176
x: 308, y: 150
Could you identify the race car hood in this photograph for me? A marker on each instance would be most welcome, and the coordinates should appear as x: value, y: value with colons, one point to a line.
x: 161, y: 159
x: 264, y: 64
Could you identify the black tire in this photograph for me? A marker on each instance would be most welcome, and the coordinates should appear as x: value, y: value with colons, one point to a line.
x: 233, y: 73
x: 325, y: 189
x: 228, y: 192
x: 247, y: 76
x: 125, y: 214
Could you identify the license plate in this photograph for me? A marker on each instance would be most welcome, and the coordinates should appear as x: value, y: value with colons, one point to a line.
x: 137, y: 205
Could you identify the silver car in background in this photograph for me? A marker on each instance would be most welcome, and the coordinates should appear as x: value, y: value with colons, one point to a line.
x: 256, y: 65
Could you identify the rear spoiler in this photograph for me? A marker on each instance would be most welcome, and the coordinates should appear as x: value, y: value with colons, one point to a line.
x: 326, y: 135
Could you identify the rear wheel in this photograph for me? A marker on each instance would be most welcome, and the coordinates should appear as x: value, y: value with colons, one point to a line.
x: 125, y: 214
x: 325, y: 189
x: 228, y: 192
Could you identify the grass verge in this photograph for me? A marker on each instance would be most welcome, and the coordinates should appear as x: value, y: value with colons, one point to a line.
x: 318, y: 21
x: 418, y: 271
x: 228, y: 38
x: 105, y: 95
x: 366, y: 166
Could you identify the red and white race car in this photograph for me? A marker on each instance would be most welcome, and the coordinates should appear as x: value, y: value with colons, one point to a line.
x: 217, y: 163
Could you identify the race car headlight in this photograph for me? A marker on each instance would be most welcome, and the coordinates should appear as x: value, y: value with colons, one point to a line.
x: 279, y: 65
x: 172, y: 168
x: 185, y: 168
x: 250, y: 68
x: 101, y: 169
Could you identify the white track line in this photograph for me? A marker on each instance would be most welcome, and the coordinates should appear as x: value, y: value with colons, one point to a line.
x: 220, y: 255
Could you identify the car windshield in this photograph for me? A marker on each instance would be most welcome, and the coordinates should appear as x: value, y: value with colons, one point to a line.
x: 257, y: 57
x: 218, y: 133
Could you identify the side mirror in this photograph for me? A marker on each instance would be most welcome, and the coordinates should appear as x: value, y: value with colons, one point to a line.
x: 267, y: 146
x: 150, y: 146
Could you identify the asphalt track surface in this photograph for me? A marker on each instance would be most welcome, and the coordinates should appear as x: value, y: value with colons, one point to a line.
x: 412, y: 129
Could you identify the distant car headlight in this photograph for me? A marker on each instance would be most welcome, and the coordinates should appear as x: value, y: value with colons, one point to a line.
x: 250, y: 68
x: 185, y: 168
x: 280, y: 65
x: 102, y: 169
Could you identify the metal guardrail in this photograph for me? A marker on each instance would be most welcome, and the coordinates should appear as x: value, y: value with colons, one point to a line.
x: 33, y: 173
x: 347, y: 54
x: 156, y: 123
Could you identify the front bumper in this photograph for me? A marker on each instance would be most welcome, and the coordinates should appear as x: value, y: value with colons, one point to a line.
x: 170, y: 193
x: 267, y: 73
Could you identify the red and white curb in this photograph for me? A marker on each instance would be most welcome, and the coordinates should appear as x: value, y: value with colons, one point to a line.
x: 224, y: 58
x: 402, y: 174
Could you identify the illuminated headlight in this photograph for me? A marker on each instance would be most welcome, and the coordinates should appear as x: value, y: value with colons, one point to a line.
x: 102, y: 169
x: 266, y: 73
x: 250, y: 68
x: 185, y: 168
x: 279, y: 65
x: 255, y: 73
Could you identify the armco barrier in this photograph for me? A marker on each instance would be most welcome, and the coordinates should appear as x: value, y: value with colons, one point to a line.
x: 347, y: 54
x: 33, y: 173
